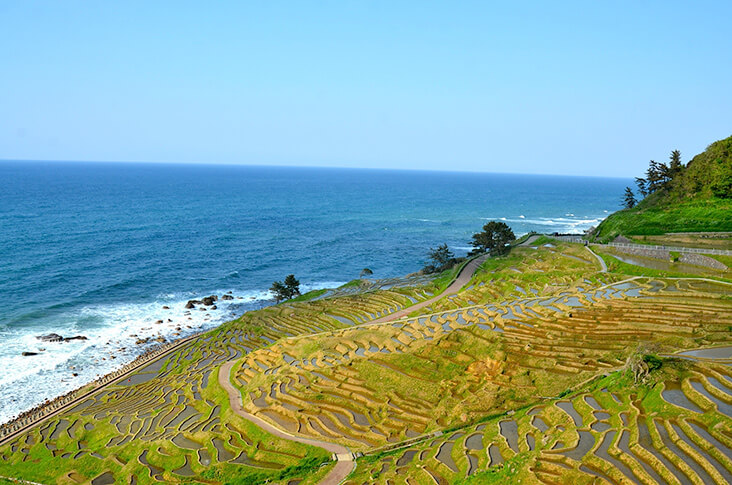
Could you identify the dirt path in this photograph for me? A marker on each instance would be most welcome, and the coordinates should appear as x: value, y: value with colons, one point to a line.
x: 462, y: 279
x: 345, y: 463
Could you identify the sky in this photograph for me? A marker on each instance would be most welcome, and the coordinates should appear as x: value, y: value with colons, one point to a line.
x: 580, y: 88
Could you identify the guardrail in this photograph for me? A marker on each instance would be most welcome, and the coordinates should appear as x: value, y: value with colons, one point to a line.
x: 579, y: 239
x: 721, y: 252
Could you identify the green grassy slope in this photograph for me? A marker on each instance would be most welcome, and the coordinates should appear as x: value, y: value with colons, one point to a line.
x: 699, y: 198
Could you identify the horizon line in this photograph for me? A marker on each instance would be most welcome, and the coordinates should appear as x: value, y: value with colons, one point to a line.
x: 241, y: 164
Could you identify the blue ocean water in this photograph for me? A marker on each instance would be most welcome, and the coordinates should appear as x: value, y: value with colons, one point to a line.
x: 98, y: 248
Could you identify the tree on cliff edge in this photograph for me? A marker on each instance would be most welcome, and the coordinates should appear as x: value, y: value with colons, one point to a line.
x: 285, y: 290
x: 628, y: 198
x: 494, y: 238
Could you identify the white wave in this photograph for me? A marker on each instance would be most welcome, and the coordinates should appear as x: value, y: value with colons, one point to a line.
x: 112, y: 331
x: 567, y: 224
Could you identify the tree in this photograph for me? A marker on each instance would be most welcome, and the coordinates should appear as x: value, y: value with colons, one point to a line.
x: 675, y: 164
x: 285, y: 290
x: 494, y: 238
x: 365, y: 272
x: 442, y: 258
x: 293, y: 285
x: 279, y: 290
x: 628, y: 198
x: 641, y: 183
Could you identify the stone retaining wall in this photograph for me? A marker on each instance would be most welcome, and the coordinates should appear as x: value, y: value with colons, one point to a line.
x: 701, y: 260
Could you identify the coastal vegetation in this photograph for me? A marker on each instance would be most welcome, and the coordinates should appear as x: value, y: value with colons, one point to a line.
x: 552, y: 363
x: 441, y: 259
x: 285, y: 290
x: 494, y: 238
x: 678, y: 198
x: 531, y: 372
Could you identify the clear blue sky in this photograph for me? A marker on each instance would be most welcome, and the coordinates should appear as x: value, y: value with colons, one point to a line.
x: 591, y: 88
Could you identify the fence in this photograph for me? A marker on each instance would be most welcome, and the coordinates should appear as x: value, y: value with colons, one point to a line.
x: 579, y: 239
x: 722, y: 252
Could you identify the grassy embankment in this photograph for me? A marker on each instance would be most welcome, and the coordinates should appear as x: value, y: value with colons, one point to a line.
x: 697, y: 199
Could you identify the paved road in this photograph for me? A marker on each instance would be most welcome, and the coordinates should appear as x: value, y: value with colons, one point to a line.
x: 345, y: 463
x: 462, y: 279
x: 603, y: 266
x: 530, y: 240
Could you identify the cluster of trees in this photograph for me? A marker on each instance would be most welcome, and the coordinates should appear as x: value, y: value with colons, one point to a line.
x: 658, y: 177
x: 284, y: 290
x: 494, y: 238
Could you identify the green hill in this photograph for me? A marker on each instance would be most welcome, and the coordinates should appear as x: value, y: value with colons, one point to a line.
x: 698, y: 197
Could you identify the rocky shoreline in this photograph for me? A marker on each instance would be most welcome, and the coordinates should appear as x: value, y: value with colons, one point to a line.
x: 48, y: 407
x: 162, y: 346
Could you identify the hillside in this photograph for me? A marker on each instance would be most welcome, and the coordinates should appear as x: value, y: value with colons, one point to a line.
x: 515, y: 378
x: 697, y: 198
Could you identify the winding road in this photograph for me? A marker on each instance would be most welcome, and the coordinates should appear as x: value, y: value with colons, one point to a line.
x: 345, y: 463
x: 462, y: 279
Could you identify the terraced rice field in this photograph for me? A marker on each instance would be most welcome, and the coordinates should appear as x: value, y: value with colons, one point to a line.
x: 171, y: 421
x: 610, y: 432
x: 519, y: 376
x: 369, y: 386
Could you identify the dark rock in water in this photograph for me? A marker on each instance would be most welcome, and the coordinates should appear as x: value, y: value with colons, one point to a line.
x: 141, y: 341
x: 51, y: 337
x: 214, y: 307
x: 28, y: 354
x: 74, y: 374
x: 209, y: 300
x: 190, y: 304
x: 166, y: 307
x: 78, y: 337
x: 227, y: 297
x: 159, y: 322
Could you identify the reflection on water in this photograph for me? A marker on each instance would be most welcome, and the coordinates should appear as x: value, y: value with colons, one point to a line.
x: 714, y: 353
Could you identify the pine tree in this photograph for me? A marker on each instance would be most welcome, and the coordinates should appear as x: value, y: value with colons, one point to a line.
x: 675, y: 164
x: 628, y: 198
x: 494, y: 238
x: 293, y: 285
x: 642, y: 186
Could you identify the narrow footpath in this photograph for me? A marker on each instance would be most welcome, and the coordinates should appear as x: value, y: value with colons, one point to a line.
x: 345, y: 463
x: 603, y: 266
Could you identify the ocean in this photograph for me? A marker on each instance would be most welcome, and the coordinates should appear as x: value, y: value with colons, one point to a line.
x: 97, y: 249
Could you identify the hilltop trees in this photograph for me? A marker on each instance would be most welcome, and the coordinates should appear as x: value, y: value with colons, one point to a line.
x: 659, y: 175
x: 674, y: 165
x: 629, y: 199
x: 287, y: 289
x: 494, y: 238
